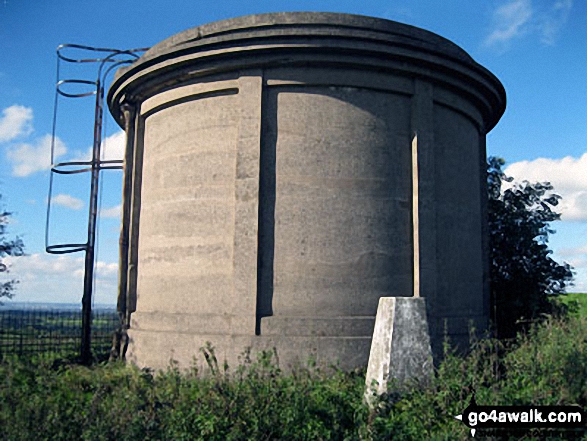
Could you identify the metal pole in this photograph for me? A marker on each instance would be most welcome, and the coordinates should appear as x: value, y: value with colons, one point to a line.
x: 86, y: 348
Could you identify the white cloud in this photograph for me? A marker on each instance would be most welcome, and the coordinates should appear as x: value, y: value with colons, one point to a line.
x: 567, y: 175
x: 112, y: 147
x: 576, y: 256
x: 29, y: 158
x: 35, y: 266
x: 39, y: 265
x: 107, y: 269
x: 68, y: 201
x: 15, y: 121
x: 542, y: 18
x: 574, y: 251
x: 509, y: 21
x: 59, y: 278
x: 578, y: 262
x: 35, y: 156
x: 554, y: 20
x: 112, y: 212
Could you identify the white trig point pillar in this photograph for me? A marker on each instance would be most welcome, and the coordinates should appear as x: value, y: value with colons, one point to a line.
x: 400, y: 349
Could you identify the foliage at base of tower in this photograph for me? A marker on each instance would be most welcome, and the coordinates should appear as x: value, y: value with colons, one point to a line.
x: 524, y: 278
x: 8, y: 247
x: 51, y: 399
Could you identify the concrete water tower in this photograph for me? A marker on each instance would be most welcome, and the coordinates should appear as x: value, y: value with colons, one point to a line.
x: 285, y: 171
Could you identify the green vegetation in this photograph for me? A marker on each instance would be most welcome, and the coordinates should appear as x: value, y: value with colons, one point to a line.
x: 55, y: 400
x: 524, y: 278
x: 48, y: 396
x: 31, y: 332
x: 576, y: 303
x: 8, y: 247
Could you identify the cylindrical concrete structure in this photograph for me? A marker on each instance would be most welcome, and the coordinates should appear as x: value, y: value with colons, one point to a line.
x: 288, y: 170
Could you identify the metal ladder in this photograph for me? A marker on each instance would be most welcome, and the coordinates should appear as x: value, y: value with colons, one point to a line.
x: 107, y: 60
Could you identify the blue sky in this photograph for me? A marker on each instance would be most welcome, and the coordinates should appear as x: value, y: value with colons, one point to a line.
x: 537, y: 48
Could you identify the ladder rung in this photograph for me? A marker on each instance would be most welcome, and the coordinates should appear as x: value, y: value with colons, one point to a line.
x: 66, y: 248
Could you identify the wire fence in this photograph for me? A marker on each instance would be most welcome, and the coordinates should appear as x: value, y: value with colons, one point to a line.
x: 31, y: 332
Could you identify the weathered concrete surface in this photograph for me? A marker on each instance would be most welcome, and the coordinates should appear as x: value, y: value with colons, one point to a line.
x: 400, y: 349
x: 274, y: 185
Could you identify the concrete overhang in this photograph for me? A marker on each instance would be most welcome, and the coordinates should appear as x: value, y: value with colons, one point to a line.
x: 309, y: 39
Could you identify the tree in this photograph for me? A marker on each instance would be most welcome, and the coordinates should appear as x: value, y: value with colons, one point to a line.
x: 8, y: 247
x: 524, y: 278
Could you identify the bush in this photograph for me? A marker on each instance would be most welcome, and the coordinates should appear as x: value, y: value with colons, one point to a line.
x: 61, y: 401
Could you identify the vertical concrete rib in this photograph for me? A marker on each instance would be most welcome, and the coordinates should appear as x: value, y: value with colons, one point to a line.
x: 135, y: 213
x: 267, y: 194
x: 424, y: 191
x: 129, y: 128
x: 484, y: 225
x: 247, y: 202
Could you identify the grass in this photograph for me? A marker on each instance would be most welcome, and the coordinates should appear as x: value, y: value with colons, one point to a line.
x: 577, y: 302
x: 57, y: 400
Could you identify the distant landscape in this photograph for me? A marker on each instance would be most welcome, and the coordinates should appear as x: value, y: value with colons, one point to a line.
x: 47, y: 306
x: 31, y: 328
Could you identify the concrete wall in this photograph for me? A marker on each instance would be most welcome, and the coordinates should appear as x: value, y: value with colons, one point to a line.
x: 290, y: 170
